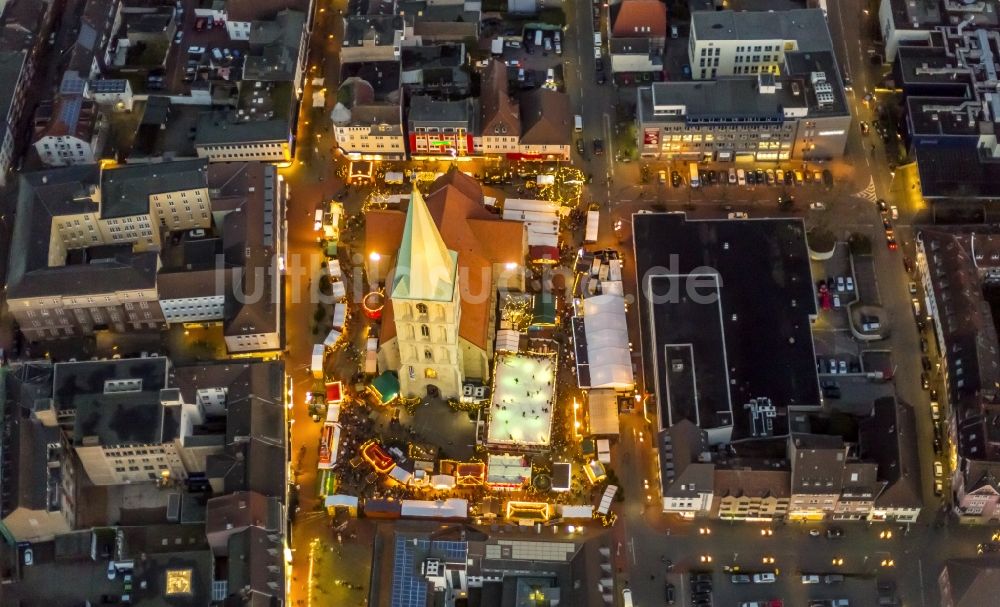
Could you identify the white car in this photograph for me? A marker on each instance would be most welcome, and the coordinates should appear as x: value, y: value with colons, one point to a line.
x: 763, y: 578
x: 738, y: 215
x: 810, y: 579
x: 196, y: 50
x: 840, y: 284
x: 178, y: 37
x: 597, y: 52
x: 833, y: 366
x: 836, y: 301
x: 895, y: 211
x: 29, y: 557
x: 843, y: 366
x: 938, y: 469
x: 935, y: 411
x: 112, y: 572
x: 850, y: 283
x: 741, y: 177
x: 817, y: 206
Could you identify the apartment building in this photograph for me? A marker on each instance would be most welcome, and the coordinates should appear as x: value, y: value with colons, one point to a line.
x: 367, y: 127
x: 12, y: 70
x: 817, y: 475
x: 751, y: 494
x: 441, y: 128
x: 546, y: 125
x: 638, y: 34
x: 687, y: 479
x: 801, y: 113
x: 955, y: 267
x: 500, y: 120
x: 113, y: 249
x: 735, y: 43
x: 233, y: 137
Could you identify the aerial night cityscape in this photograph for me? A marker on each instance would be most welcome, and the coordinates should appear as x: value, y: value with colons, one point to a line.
x: 500, y: 303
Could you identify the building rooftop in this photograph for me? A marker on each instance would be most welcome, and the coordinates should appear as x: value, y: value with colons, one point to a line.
x: 639, y: 19
x: 546, y: 118
x: 114, y: 402
x: 383, y: 76
x: 126, y: 190
x: 946, y: 116
x: 221, y: 128
x: 377, y: 30
x: 426, y: 109
x: 806, y: 27
x: 881, y: 439
x: 970, y: 582
x: 274, y: 47
x: 957, y: 173
x: 921, y: 65
x: 752, y: 311
x: 11, y: 64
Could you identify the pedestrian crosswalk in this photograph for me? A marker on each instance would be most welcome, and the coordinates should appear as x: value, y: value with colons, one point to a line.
x: 869, y: 193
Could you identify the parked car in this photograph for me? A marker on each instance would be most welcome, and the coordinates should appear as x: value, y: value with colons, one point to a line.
x: 662, y: 175
x: 938, y: 469
x: 810, y: 579
x: 580, y: 147
x: 675, y: 179
x: 764, y: 578
x: 935, y: 411
x: 670, y: 594
x: 834, y: 533
x: 938, y: 488
x: 598, y: 147
x: 29, y: 557
x: 740, y: 579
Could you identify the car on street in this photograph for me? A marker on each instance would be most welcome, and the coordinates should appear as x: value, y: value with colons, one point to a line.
x: 935, y: 411
x: 751, y: 177
x: 913, y: 288
x: 865, y: 128
x: 850, y: 283
x: 890, y: 242
x: 810, y: 579
x: 112, y: 572
x: 925, y: 381
x: 769, y: 176
x: 841, y: 285
x: 29, y: 557
x: 738, y: 215
x: 740, y: 579
x: 663, y: 177
x: 741, y: 177
x: 834, y: 533
x: 894, y: 211
x: 764, y: 578
x: 779, y: 176
x: 598, y: 147
x: 925, y: 363
x: 882, y: 206
x: 938, y: 469
x: 814, y: 532
x: 601, y: 79
x: 670, y: 594
x: 938, y: 488
x: 178, y: 37
x: 580, y: 149
x: 843, y: 366
x: 627, y: 597
x: 701, y: 587
x: 675, y: 179
x: 732, y: 177
x: 759, y: 176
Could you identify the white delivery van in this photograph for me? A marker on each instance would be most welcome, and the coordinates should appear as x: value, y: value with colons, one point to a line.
x: 538, y: 37
x: 578, y: 123
x: 597, y: 38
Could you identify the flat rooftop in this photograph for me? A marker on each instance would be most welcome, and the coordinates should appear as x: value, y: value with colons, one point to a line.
x: 523, y: 395
x: 728, y: 305
x: 948, y: 116
x: 807, y: 27
x: 957, y: 173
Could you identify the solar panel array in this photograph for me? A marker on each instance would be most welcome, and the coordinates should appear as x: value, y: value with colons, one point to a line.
x: 107, y: 86
x: 72, y: 85
x: 409, y: 588
x: 69, y: 114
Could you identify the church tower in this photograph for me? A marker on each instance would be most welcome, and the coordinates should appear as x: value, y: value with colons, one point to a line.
x: 426, y: 308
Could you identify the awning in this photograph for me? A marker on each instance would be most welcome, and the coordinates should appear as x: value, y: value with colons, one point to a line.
x: 576, y: 511
x: 386, y: 386
x: 334, y: 393
x: 607, y: 343
x: 339, y: 315
x: 333, y: 413
x: 603, y: 407
x: 543, y: 253
x: 401, y: 475
x: 331, y: 338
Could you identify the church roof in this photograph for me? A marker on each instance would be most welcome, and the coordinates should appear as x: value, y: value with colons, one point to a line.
x: 479, y: 237
x: 425, y: 269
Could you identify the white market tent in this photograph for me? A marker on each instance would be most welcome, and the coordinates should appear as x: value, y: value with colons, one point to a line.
x: 338, y: 290
x: 607, y: 342
x: 508, y: 340
x: 603, y: 407
x: 540, y: 219
x: 331, y: 338
x: 450, y: 508
x: 576, y: 511
x: 443, y: 481
x: 338, y: 499
x: 339, y: 315
x: 401, y: 475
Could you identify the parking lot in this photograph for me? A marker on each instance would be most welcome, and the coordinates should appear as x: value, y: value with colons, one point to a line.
x: 787, y: 587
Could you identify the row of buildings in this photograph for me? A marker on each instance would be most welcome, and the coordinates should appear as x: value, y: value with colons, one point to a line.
x: 764, y: 86
x: 148, y: 246
x: 203, y: 448
x: 130, y: 55
x: 744, y: 431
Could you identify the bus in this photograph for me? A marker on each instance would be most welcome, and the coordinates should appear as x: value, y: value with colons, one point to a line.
x: 695, y: 178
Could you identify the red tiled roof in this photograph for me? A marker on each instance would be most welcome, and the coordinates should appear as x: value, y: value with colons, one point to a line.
x: 640, y: 19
